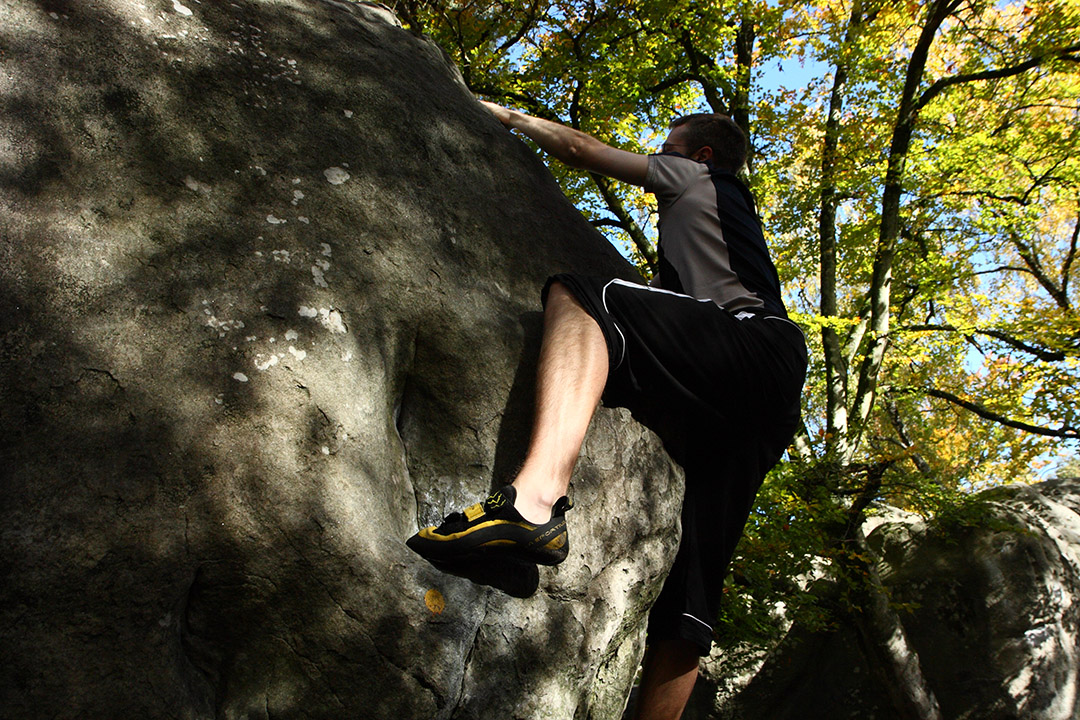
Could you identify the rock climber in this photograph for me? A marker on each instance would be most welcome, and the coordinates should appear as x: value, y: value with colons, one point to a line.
x: 706, y: 357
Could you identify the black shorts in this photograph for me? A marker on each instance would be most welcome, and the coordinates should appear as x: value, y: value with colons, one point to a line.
x: 721, y: 389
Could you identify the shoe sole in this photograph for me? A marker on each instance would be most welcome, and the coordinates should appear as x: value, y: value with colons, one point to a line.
x: 541, y: 545
x: 514, y: 577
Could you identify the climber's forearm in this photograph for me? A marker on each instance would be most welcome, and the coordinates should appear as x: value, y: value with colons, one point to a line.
x: 571, y: 146
x: 575, y: 148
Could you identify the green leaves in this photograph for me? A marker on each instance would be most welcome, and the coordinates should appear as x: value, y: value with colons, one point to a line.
x: 967, y: 269
x: 920, y: 189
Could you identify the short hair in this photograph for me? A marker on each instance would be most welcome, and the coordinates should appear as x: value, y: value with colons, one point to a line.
x: 719, y: 132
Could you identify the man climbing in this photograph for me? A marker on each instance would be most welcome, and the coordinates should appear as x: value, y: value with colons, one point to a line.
x: 708, y: 360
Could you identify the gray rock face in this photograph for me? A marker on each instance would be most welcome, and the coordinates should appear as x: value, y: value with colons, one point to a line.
x: 992, y: 615
x: 269, y: 301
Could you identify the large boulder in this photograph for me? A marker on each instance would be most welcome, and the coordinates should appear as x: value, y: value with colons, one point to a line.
x: 269, y: 302
x: 987, y: 609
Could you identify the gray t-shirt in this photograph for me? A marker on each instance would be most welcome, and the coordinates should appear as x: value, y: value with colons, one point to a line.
x: 711, y: 244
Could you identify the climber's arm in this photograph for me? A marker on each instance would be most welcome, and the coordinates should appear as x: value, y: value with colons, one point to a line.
x: 574, y: 147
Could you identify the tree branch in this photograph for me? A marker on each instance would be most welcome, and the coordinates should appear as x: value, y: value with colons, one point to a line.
x: 1065, y: 431
x: 897, y: 421
x: 1031, y: 258
x: 531, y: 16
x: 1040, y: 353
x: 697, y: 60
x: 1069, y: 257
x: 934, y: 90
x: 673, y: 81
x: 615, y: 205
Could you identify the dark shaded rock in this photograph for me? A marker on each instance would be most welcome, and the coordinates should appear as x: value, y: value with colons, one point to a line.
x: 270, y: 301
x: 990, y: 610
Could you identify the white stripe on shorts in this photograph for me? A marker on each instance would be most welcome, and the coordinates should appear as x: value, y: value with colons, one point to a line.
x: 697, y: 620
x: 636, y: 286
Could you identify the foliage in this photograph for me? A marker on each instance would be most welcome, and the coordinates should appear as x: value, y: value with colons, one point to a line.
x: 785, y: 549
x: 920, y: 192
x: 1068, y: 467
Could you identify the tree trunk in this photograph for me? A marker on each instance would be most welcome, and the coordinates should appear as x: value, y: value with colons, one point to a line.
x: 885, y: 641
x: 889, y: 229
x: 835, y: 366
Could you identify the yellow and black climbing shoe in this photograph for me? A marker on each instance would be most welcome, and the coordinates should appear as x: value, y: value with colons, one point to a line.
x: 495, y: 527
x: 516, y: 578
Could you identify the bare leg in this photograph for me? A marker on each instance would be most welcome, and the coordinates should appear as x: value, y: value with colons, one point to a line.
x: 570, y: 379
x: 668, y: 676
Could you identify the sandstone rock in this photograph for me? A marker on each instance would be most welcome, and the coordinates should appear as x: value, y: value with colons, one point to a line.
x: 992, y: 615
x: 269, y: 301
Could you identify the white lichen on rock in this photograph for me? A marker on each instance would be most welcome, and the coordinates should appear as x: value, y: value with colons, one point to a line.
x: 196, y: 186
x: 331, y: 320
x: 265, y: 364
x: 335, y: 175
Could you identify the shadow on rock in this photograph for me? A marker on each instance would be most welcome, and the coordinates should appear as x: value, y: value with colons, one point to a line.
x: 516, y: 578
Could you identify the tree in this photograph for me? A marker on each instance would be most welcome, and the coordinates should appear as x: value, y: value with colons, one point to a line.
x: 922, y: 198
x: 620, y: 70
x: 919, y: 194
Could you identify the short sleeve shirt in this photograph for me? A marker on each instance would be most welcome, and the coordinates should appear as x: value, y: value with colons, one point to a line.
x: 711, y: 244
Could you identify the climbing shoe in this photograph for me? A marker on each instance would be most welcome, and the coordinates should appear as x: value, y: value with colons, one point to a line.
x: 516, y: 578
x: 495, y: 526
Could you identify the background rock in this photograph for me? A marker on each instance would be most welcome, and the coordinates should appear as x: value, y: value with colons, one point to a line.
x: 269, y: 302
x: 990, y: 609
